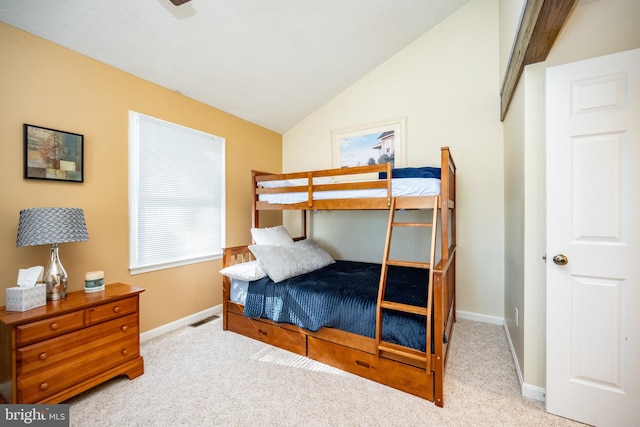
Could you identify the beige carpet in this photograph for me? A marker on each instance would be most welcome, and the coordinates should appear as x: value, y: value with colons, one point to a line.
x: 203, y: 376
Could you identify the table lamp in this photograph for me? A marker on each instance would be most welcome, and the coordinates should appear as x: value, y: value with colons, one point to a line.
x: 43, y: 226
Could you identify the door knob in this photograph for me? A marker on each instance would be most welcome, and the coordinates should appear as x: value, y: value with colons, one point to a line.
x: 561, y: 259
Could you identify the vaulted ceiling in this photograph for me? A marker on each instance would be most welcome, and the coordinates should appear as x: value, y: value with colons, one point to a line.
x: 272, y: 62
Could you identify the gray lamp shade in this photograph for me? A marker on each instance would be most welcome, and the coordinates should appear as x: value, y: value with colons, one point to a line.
x: 42, y: 226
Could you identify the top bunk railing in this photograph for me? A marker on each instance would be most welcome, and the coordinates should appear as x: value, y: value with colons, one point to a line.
x: 327, y: 183
x: 314, y: 183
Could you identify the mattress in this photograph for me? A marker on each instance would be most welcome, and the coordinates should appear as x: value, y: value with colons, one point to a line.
x: 400, y: 187
x: 343, y: 295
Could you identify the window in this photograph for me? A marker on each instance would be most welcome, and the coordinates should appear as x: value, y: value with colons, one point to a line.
x: 176, y: 195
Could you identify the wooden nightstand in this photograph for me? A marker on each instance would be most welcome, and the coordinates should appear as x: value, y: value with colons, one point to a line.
x: 51, y: 353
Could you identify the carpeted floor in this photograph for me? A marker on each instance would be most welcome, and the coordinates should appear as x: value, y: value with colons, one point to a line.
x: 203, y: 376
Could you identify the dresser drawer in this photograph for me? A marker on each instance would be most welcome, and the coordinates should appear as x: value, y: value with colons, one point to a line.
x: 36, y: 386
x: 48, y: 328
x: 74, y: 345
x: 270, y: 334
x: 112, y: 310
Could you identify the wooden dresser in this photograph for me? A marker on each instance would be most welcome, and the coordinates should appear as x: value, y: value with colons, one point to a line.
x: 51, y: 353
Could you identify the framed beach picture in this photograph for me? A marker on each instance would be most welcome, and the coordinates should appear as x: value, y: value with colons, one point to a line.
x: 53, y: 154
x: 376, y: 143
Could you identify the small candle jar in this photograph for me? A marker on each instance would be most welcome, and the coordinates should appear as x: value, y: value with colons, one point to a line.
x: 94, y: 281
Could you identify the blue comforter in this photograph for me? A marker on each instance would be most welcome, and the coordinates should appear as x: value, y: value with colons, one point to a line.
x: 343, y: 296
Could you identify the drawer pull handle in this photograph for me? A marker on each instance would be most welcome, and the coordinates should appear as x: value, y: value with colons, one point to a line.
x: 363, y: 364
x: 54, y: 326
x: 125, y: 352
x: 261, y: 332
x: 124, y: 328
x: 43, y: 356
x: 116, y: 309
x: 44, y: 386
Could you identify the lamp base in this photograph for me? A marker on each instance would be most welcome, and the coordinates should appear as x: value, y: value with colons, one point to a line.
x: 55, y: 277
x: 54, y: 296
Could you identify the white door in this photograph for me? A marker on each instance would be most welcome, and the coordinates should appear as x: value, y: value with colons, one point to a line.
x: 593, y: 220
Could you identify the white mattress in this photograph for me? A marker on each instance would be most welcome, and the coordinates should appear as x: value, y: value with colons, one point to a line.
x: 400, y: 187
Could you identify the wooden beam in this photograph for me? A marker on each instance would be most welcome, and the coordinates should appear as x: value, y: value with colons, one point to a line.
x: 540, y: 25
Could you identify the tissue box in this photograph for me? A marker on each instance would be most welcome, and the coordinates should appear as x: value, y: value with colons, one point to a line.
x: 23, y: 299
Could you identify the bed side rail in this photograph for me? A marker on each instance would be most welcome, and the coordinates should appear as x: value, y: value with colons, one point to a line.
x: 444, y: 298
x: 261, y: 176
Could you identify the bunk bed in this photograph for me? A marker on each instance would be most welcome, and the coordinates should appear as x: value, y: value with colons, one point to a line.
x: 415, y: 369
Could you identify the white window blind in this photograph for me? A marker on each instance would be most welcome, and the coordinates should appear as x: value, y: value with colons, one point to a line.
x: 176, y: 194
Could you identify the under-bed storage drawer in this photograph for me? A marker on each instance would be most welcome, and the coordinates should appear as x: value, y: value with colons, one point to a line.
x: 270, y: 334
x: 397, y: 375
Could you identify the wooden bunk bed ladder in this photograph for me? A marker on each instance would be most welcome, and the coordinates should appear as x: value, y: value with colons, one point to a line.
x: 384, y: 346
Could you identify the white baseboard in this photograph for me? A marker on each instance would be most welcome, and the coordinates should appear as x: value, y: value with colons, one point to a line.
x: 513, y: 355
x: 533, y: 392
x: 527, y: 390
x: 185, y: 321
x: 494, y: 320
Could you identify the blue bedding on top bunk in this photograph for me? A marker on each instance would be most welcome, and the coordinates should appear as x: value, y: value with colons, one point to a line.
x: 343, y: 296
x: 421, y: 172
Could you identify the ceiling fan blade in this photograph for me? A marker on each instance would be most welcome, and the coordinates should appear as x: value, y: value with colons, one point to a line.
x: 179, y: 2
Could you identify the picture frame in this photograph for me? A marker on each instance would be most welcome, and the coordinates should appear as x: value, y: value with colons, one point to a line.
x: 52, y: 154
x: 374, y: 143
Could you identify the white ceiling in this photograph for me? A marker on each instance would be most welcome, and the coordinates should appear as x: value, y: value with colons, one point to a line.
x: 272, y: 62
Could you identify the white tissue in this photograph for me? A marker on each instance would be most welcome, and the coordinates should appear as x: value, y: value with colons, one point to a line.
x: 27, y: 278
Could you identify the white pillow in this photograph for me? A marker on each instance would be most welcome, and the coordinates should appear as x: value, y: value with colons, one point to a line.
x: 282, y: 262
x: 247, y: 271
x: 277, y: 235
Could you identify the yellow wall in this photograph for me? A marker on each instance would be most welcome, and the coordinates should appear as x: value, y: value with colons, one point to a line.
x: 46, y: 85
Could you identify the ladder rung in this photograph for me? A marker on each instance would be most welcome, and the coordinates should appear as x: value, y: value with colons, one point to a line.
x: 406, y: 308
x: 412, y: 224
x: 402, y: 351
x: 401, y: 263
